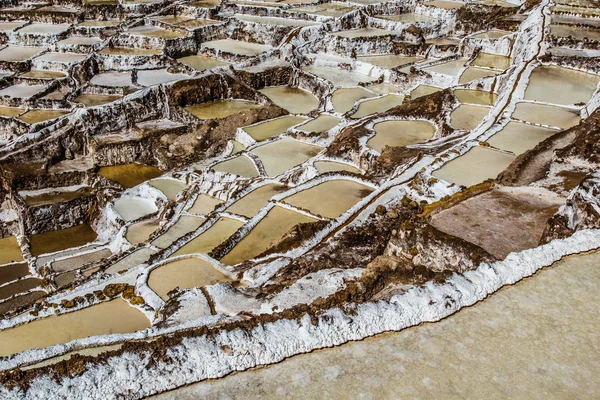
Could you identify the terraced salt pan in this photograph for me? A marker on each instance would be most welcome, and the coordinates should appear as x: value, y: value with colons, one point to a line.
x: 400, y: 133
x: 17, y: 287
x: 546, y: 115
x: 378, y: 105
x: 138, y: 257
x: 473, y: 73
x: 519, y: 137
x: 10, y: 251
x: 274, y: 20
x: 468, y: 116
x: 423, y: 90
x: 22, y: 91
x: 112, y: 79
x: 331, y: 198
x: 91, y: 99
x: 41, y: 28
x: 294, y: 100
x: 184, y: 225
x: 62, y: 239
x: 201, y: 63
x: 9, y: 273
x: 129, y: 175
x: 451, y: 68
x: 10, y: 112
x: 99, y: 23
x: 34, y: 116
x: 492, y: 34
x: 265, y: 130
x: 129, y: 51
x: 575, y: 32
x: 384, y: 88
x: 211, y: 238
x: 114, y: 316
x: 265, y: 234
x: 79, y: 40
x: 574, y: 86
x: 204, y: 204
x: 253, y: 202
x: 475, y: 166
x: 281, y: 155
x: 343, y: 100
x: 237, y: 47
x: 320, y: 124
x: 6, y: 26
x: 132, y: 208
x: 185, y: 273
x: 326, y: 9
x: 389, y: 60
x: 409, y: 17
x: 481, y: 97
x: 365, y: 32
x: 78, y: 261
x: 141, y: 231
x: 157, y: 76
x: 332, y: 166
x: 339, y: 77
x: 221, y: 108
x: 43, y: 74
x: 445, y: 4
x: 65, y: 58
x: 155, y: 32
x: 493, y: 61
x: 54, y: 196
x: 240, y: 165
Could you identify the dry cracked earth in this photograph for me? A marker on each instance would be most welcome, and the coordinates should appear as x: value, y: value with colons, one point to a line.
x: 193, y: 188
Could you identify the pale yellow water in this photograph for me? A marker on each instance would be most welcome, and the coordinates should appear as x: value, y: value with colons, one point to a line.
x: 475, y: 96
x: 91, y: 352
x: 114, y: 316
x: 407, y: 17
x: 519, y: 137
x: 575, y: 32
x: 251, y: 203
x: 240, y: 165
x: 62, y: 239
x: 129, y: 175
x: 378, y: 105
x: 43, y: 74
x: 400, y: 133
x: 574, y: 86
x: 201, y: 63
x: 344, y: 99
x: 332, y: 166
x: 170, y: 187
x: 331, y: 198
x: 10, y: 112
x: 277, y: 157
x: 384, y: 88
x: 546, y: 115
x: 492, y: 34
x: 211, y: 238
x: 473, y: 73
x: 35, y: 116
x: 184, y: 274
x: 265, y: 234
x: 296, y: 101
x: 237, y: 147
x: 204, y: 204
x: 237, y: 47
x: 19, y: 53
x: 141, y: 231
x: 423, y: 90
x: 90, y: 99
x: 140, y: 256
x: 221, y: 108
x: 10, y: 251
x: 494, y: 61
x: 184, y: 225
x: 129, y: 51
x: 320, y: 124
x: 475, y: 166
x: 467, y: 117
x: 451, y: 68
x: 273, y: 127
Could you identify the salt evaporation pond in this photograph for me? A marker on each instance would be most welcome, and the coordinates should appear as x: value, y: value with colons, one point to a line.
x: 294, y: 100
x: 112, y: 79
x: 140, y: 232
x: 473, y: 73
x: 129, y: 175
x: 99, y: 23
x: 65, y: 58
x: 9, y: 273
x: 274, y: 20
x: 54, y: 196
x: 326, y: 9
x: 157, y: 76
x: 253, y: 202
x: 480, y: 97
x: 221, y: 108
x: 519, y: 137
x: 492, y: 34
x: 201, y: 63
x: 19, y: 53
x: 169, y: 187
x: 156, y: 32
x: 237, y: 47
x: 92, y: 99
x: 379, y: 105
x: 185, y: 273
x: 132, y: 208
x: 389, y: 60
x: 240, y: 165
x: 184, y: 225
x: 493, y: 61
x: 332, y: 166
x: 451, y: 68
x: 61, y: 239
x: 138, y: 257
x: 6, y: 26
x: 343, y: 100
x: 364, y: 32
x: 320, y: 124
x: 34, y: 116
x: 41, y: 28
x: 10, y: 251
x: 331, y: 198
x: 10, y: 112
x: 339, y: 77
x: 211, y: 238
x: 400, y: 133
x: 409, y: 17
x: 467, y: 116
x: 129, y: 51
x: 546, y: 115
x: 423, y: 90
x: 265, y: 130
x: 115, y: 316
x: 574, y: 86
x: 22, y: 91
x: 575, y: 32
x: 43, y: 74
x: 475, y: 166
x: 265, y: 234
x: 79, y: 41
x: 281, y: 155
x: 204, y: 204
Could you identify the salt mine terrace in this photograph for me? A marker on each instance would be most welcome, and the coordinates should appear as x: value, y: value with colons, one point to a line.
x: 205, y: 187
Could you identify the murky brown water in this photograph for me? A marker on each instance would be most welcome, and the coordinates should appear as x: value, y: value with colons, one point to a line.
x: 221, y: 108
x: 10, y: 111
x: 54, y: 197
x: 130, y: 175
x: 115, y: 316
x: 400, y: 133
x: 10, y: 251
x: 62, y: 239
x: 13, y: 271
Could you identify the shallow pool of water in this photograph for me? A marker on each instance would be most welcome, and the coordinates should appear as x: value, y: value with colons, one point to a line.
x: 546, y: 115
x: 112, y: 79
x: 10, y: 112
x: 156, y: 32
x: 473, y: 73
x: 519, y: 137
x: 240, y: 165
x: 10, y: 251
x: 211, y: 238
x: 141, y: 231
x: 138, y: 257
x: 364, y: 33
x: 201, y: 63
x: 378, y: 105
x: 237, y: 47
x: 344, y: 99
x: 423, y: 90
x: 129, y: 175
x: 169, y: 187
x: 204, y: 204
x: 320, y: 124
x: 114, y: 316
x: 295, y: 100
x: 408, y: 17
x: 339, y: 77
x: 274, y: 20
x: 400, y: 133
x: 34, y: 116
x: 493, y: 61
x: 17, y: 287
x: 492, y: 34
x: 389, y: 60
x: 19, y: 53
x: 11, y: 272
x: 281, y: 155
x: 62, y: 239
x: 469, y: 96
x: 451, y: 68
x: 221, y: 108
x: 251, y: 203
x: 574, y: 86
x: 132, y: 208
x: 265, y: 234
x: 332, y: 166
x: 265, y: 130
x: 468, y: 116
x: 91, y: 99
x: 157, y: 76
x: 22, y: 91
x: 184, y: 225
